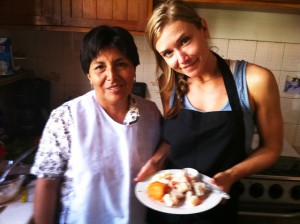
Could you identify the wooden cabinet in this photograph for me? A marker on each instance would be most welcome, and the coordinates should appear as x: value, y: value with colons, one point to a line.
x: 75, y: 15
x: 30, y: 12
x: 130, y: 14
x: 17, y: 76
x: 82, y: 15
x: 278, y: 6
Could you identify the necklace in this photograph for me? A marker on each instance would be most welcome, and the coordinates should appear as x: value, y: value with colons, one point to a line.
x: 214, y: 77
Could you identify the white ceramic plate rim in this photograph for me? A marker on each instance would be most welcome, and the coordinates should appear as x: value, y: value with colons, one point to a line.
x: 141, y: 193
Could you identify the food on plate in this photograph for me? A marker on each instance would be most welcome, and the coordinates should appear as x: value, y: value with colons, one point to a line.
x: 177, y: 189
x: 170, y: 200
x: 199, y: 188
x: 157, y: 190
x: 192, y: 199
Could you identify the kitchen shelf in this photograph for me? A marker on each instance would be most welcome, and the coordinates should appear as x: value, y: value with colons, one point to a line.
x: 273, y: 6
x: 20, y: 75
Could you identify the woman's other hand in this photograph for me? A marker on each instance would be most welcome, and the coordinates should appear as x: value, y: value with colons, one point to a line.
x: 223, y: 180
x: 154, y: 164
x: 149, y: 168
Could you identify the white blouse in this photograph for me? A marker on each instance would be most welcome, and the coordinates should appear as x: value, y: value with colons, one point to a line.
x: 57, y: 158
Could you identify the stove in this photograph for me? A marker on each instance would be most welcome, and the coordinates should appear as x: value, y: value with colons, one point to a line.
x: 275, y: 191
x: 278, y: 185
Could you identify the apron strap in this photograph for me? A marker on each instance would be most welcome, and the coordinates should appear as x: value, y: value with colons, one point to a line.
x: 229, y: 84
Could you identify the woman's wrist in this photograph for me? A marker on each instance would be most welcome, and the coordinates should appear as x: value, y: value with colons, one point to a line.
x: 156, y: 160
x: 160, y: 155
x: 232, y: 174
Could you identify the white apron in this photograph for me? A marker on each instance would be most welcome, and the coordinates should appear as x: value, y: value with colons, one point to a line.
x: 106, y: 156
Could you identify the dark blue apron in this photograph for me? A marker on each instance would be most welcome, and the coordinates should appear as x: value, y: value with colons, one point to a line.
x: 210, y: 142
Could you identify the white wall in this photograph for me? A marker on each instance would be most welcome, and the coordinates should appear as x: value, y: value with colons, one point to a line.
x: 268, y: 39
x: 246, y: 25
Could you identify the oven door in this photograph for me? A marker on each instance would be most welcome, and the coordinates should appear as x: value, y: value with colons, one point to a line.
x: 251, y: 213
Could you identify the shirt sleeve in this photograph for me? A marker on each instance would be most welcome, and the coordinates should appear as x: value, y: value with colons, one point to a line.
x: 53, y: 152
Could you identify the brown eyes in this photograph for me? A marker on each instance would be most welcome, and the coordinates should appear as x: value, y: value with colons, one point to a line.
x: 117, y: 67
x: 184, y: 41
x: 167, y: 54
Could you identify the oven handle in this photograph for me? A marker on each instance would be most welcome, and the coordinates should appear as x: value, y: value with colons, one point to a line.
x: 271, y: 214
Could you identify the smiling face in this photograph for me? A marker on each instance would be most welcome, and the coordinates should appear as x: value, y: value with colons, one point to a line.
x: 112, y: 76
x: 184, y: 48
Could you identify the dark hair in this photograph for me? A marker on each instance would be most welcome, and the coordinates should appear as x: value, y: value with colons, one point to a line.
x: 105, y: 36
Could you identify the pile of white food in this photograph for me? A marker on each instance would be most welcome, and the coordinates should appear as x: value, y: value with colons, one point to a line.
x: 182, y: 188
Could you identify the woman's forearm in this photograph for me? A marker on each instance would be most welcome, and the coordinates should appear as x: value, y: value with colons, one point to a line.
x: 45, y: 201
x: 160, y: 154
x: 155, y: 163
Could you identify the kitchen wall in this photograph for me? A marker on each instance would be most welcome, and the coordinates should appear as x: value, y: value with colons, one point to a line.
x: 268, y: 39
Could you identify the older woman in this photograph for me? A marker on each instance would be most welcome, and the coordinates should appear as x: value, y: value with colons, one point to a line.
x: 93, y: 146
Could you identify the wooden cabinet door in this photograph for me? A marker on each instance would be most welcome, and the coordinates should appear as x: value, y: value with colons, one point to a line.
x: 276, y: 1
x: 30, y: 12
x: 130, y: 14
x: 278, y: 6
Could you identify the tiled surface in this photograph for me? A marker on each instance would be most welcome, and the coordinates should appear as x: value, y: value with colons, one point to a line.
x: 277, y: 76
x: 50, y: 44
x: 55, y: 56
x: 296, y: 141
x: 25, y: 43
x: 269, y: 55
x: 290, y: 132
x: 291, y: 59
x: 220, y: 46
x: 73, y: 73
x: 242, y: 49
x: 290, y: 110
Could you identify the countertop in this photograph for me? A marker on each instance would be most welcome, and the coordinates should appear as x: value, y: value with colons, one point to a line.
x: 20, y: 75
x: 16, y: 211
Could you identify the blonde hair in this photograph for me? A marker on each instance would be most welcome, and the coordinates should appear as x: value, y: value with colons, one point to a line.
x: 165, y: 13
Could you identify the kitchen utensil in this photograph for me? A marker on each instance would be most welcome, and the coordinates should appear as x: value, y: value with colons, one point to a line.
x: 10, y: 187
x: 2, y: 208
x: 17, y: 161
x: 139, y: 88
x: 194, y: 173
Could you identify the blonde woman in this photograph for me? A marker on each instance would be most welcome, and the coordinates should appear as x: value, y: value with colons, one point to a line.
x: 212, y: 107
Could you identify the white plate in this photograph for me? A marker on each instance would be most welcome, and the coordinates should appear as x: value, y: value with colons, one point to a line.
x: 141, y: 193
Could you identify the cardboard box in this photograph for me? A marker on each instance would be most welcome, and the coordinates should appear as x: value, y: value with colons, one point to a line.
x: 6, y: 57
